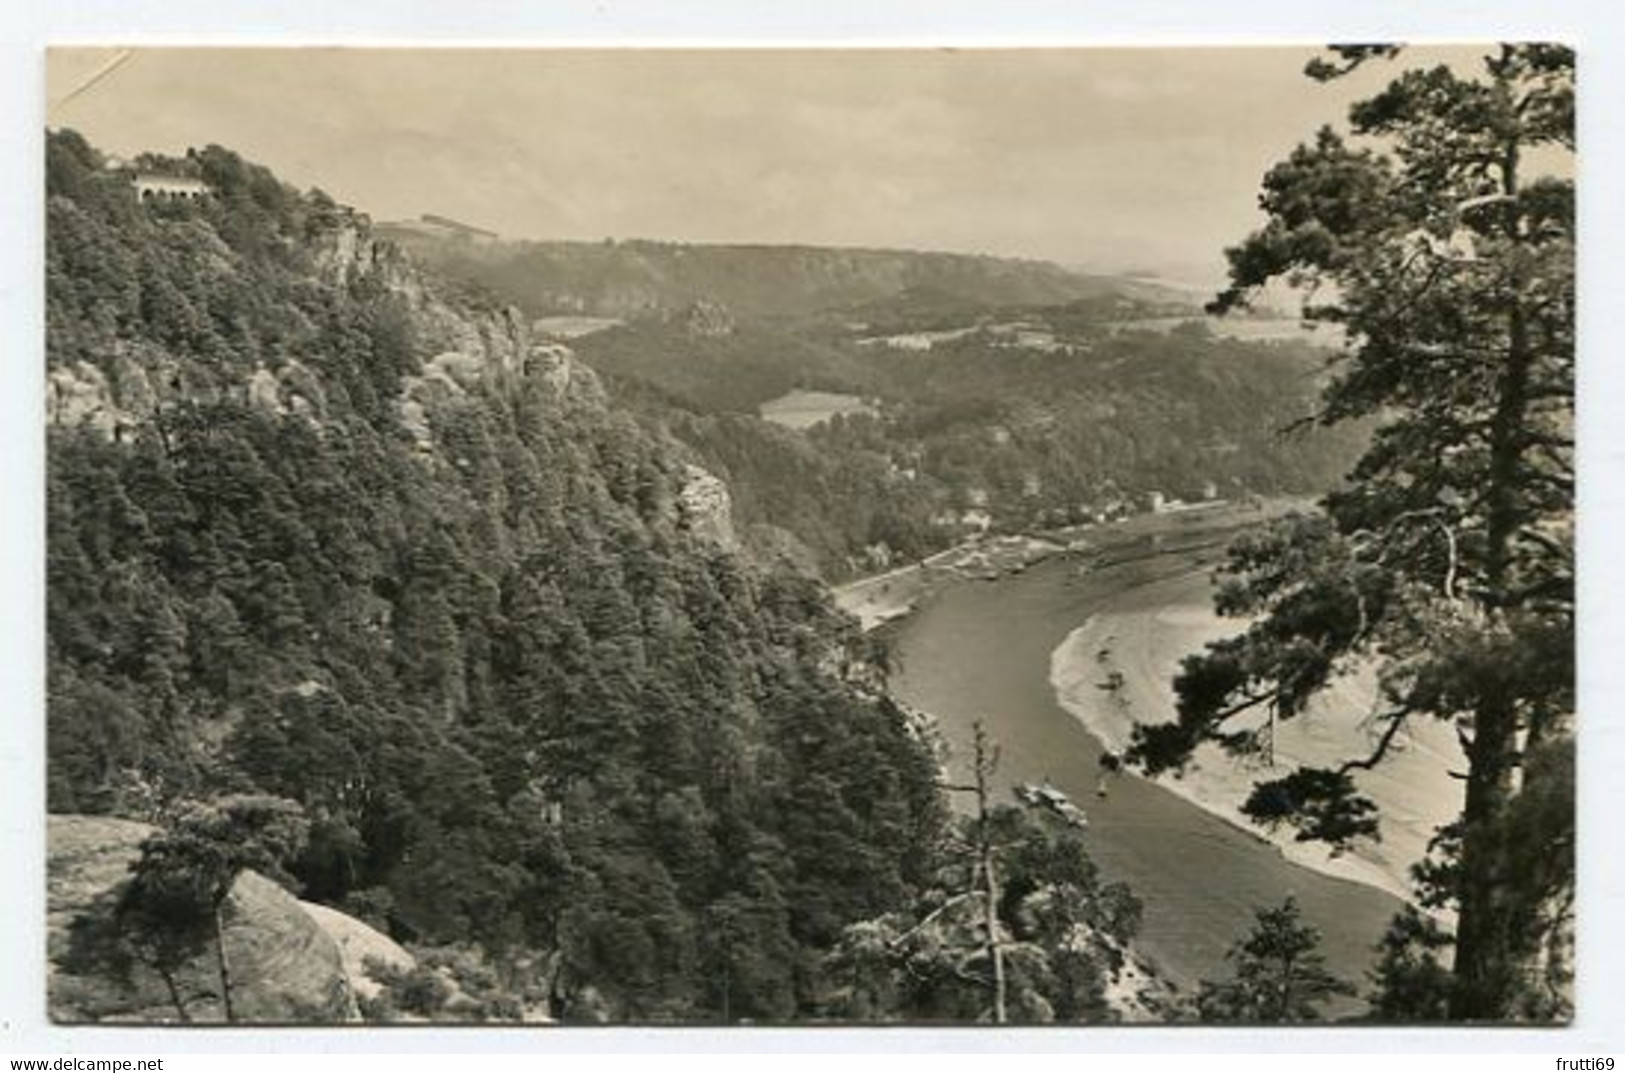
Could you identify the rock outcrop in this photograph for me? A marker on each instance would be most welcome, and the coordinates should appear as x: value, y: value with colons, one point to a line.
x: 706, y: 509
x: 707, y: 320
x: 285, y: 967
x: 358, y: 943
x: 79, y: 394
x: 464, y: 350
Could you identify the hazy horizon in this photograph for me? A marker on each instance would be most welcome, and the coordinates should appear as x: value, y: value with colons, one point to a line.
x: 1119, y: 160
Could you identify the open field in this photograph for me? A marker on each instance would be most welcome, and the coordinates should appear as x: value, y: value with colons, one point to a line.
x: 804, y: 409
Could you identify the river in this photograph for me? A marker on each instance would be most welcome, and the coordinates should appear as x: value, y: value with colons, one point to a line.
x: 981, y: 650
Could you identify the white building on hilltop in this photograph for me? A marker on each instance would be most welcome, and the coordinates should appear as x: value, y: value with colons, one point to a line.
x: 151, y: 186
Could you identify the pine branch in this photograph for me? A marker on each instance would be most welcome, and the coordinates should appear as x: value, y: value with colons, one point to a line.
x: 1559, y: 481
x: 1546, y: 540
x: 1225, y: 714
x: 933, y: 915
x: 1543, y: 439
x: 1396, y: 720
x: 1450, y: 571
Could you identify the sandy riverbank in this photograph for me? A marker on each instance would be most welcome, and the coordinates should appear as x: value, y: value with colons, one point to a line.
x: 1145, y: 634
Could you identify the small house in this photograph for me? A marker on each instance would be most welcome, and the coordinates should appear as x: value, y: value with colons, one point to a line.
x: 153, y: 186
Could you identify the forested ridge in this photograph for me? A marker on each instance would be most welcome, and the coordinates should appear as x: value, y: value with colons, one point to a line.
x: 617, y: 278
x: 1047, y: 397
x: 1039, y: 434
x: 520, y: 702
x: 354, y: 582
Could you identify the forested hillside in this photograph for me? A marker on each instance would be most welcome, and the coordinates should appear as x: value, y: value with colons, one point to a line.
x: 321, y: 528
x: 1052, y: 429
x: 1049, y: 419
x: 1036, y: 394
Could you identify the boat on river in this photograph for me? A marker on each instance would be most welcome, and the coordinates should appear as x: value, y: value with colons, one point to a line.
x: 1048, y: 797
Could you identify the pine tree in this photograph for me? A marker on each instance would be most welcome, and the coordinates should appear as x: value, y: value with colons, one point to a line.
x: 1410, y: 982
x: 176, y: 902
x: 1280, y: 975
x: 1442, y: 242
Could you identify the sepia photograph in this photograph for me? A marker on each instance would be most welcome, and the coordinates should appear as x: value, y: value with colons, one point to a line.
x: 791, y: 536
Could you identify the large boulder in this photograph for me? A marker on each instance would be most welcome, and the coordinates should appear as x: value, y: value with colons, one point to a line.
x: 358, y: 944
x: 284, y: 967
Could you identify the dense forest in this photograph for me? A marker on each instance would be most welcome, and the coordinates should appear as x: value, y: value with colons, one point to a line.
x: 1038, y: 436
x: 329, y: 533
x: 520, y: 703
x: 1049, y: 398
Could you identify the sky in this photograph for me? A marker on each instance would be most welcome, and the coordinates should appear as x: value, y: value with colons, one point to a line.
x: 1106, y: 159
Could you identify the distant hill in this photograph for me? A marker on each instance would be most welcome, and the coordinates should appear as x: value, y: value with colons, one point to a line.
x: 632, y: 277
